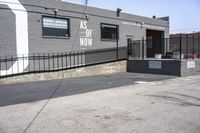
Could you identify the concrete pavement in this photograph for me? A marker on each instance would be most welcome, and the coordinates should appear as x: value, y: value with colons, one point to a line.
x: 123, y: 103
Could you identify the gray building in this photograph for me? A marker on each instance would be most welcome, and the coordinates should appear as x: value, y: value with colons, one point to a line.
x: 51, y: 26
x: 41, y: 35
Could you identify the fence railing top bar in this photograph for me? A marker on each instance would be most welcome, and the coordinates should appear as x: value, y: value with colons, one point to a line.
x: 171, y: 38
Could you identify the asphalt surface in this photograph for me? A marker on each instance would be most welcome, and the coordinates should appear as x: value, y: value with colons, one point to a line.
x: 30, y: 92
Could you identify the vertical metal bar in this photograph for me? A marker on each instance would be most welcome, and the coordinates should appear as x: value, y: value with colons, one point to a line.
x: 23, y: 62
x: 117, y: 49
x: 193, y: 46
x: 44, y: 61
x: 143, y: 48
x: 198, y: 46
x: 11, y: 64
x: 78, y: 58
x: 0, y: 67
x: 166, y: 45
x: 128, y: 45
x: 17, y: 64
x: 6, y: 64
x: 53, y: 61
x: 39, y: 60
x: 58, y: 61
x: 81, y: 58
x: 62, y: 61
x: 186, y: 46
x: 48, y: 62
x: 28, y: 58
x: 74, y: 55
x: 66, y: 59
x: 34, y: 62
x: 180, y: 46
x: 70, y: 59
x: 29, y: 64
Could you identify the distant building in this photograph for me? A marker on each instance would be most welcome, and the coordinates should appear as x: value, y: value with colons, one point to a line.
x: 189, y: 35
x: 188, y: 43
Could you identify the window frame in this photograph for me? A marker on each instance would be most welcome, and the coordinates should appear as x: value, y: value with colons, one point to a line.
x: 110, y: 40
x: 56, y: 37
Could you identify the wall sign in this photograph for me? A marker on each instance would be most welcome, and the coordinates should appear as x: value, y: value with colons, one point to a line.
x: 85, y: 35
x: 191, y: 64
x: 155, y: 65
x: 143, y: 25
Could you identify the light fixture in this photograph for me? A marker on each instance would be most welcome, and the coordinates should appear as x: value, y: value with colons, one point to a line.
x: 86, y: 16
x: 118, y: 12
x: 55, y: 11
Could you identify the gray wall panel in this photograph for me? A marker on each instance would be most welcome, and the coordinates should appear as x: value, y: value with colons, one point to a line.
x: 38, y: 44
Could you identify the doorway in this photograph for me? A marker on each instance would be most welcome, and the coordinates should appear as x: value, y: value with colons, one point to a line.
x: 154, y: 43
x: 133, y: 48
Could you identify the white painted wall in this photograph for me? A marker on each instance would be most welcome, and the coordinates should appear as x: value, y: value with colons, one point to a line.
x: 21, y: 17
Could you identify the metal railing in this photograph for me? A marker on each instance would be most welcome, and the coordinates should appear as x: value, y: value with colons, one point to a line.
x: 49, y: 62
x: 183, y: 47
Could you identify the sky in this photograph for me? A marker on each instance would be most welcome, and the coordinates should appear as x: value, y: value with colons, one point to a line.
x: 184, y: 14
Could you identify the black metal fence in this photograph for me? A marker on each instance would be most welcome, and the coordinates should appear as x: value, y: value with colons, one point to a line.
x: 49, y: 62
x: 182, y: 47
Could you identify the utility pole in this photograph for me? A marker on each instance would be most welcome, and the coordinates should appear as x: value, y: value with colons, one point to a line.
x: 86, y: 2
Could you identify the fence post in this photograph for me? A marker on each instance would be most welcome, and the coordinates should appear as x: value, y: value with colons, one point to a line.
x: 74, y: 54
x: 81, y: 58
x: 193, y: 46
x: 6, y: 64
x: 23, y: 61
x: 78, y: 59
x: 48, y: 62
x: 39, y: 61
x: 29, y: 64
x: 62, y: 61
x: 186, y: 46
x: 70, y: 59
x: 34, y: 62
x: 198, y: 46
x: 180, y: 46
x: 12, y: 64
x: 44, y: 59
x: 53, y: 60
x: 0, y: 67
x: 58, y: 61
x: 117, y: 49
x: 66, y: 60
x: 143, y: 48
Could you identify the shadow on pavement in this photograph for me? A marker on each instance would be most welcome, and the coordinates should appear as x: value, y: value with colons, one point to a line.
x: 32, y: 92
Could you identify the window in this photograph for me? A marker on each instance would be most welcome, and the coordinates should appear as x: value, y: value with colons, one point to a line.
x: 109, y: 32
x: 56, y: 27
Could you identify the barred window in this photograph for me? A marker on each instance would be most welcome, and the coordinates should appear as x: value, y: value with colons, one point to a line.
x: 109, y: 32
x: 57, y: 27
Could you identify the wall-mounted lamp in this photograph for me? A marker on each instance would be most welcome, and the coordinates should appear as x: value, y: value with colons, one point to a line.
x: 55, y: 11
x: 141, y: 24
x: 118, y: 12
x: 87, y: 16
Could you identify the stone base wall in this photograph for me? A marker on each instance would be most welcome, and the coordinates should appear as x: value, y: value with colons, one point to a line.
x: 165, y: 67
x: 102, y: 69
x: 190, y: 67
